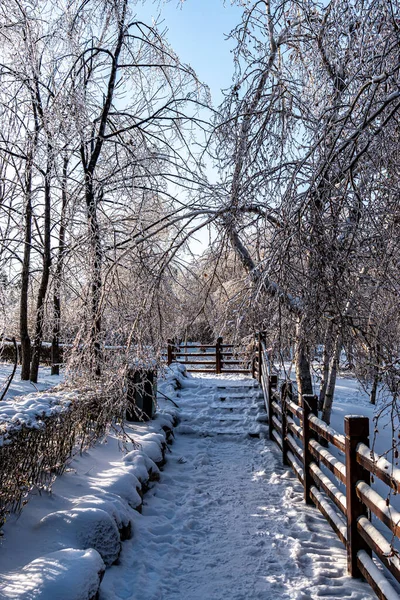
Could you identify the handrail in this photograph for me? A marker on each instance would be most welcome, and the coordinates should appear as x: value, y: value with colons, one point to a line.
x: 221, y: 358
x: 298, y: 431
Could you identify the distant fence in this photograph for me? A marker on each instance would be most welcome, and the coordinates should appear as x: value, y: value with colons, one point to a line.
x: 304, y: 442
x: 211, y: 358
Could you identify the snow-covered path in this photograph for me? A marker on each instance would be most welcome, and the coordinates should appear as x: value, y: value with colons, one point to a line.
x: 227, y: 521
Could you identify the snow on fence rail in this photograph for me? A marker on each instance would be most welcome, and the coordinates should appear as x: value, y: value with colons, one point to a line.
x: 303, y: 439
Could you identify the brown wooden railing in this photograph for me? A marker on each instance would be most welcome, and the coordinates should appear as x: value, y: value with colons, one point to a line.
x: 304, y: 441
x: 210, y: 358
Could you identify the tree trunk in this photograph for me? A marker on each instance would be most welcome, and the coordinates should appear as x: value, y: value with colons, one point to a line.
x: 96, y: 283
x: 326, y: 355
x: 302, y: 362
x: 23, y: 315
x: 92, y: 196
x: 55, y: 343
x: 40, y: 305
x: 330, y: 388
x: 376, y: 376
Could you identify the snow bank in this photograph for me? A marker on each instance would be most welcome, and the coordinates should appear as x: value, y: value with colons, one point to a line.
x: 83, y: 528
x: 114, y: 506
x: 68, y: 574
x: 120, y: 481
x: 91, y: 509
x: 145, y: 468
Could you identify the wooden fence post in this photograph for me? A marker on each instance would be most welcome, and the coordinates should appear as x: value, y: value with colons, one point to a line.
x: 356, y: 430
x: 141, y: 395
x: 218, y: 359
x: 286, y: 392
x: 253, y: 367
x: 272, y: 385
x: 309, y: 405
x: 170, y: 355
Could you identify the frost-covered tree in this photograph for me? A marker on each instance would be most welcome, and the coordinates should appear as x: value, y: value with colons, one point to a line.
x: 304, y: 139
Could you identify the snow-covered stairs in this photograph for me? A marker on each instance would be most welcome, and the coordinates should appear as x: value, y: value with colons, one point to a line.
x: 232, y: 407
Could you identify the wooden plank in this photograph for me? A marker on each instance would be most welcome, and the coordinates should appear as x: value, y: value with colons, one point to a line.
x: 309, y: 405
x: 285, y: 395
x: 197, y: 354
x: 196, y: 362
x: 294, y: 409
x: 243, y: 371
x: 329, y: 487
x: 259, y: 355
x: 276, y: 408
x: 265, y: 388
x: 277, y: 424
x: 231, y: 362
x: 379, y: 506
x: 380, y: 546
x: 298, y: 471
x: 334, y: 519
x: 379, y: 466
x: 294, y: 428
x: 295, y: 448
x: 375, y: 577
x: 277, y: 438
x: 272, y: 383
x: 196, y: 346
x: 330, y: 461
x: 356, y: 430
x: 328, y: 433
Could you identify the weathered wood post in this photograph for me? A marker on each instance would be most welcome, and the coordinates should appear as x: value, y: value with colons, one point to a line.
x: 272, y: 386
x: 253, y: 367
x: 141, y: 394
x: 309, y: 405
x: 286, y: 393
x: 170, y: 354
x: 218, y: 358
x: 356, y: 430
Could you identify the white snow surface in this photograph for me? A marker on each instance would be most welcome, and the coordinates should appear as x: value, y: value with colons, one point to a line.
x: 227, y: 520
x: 73, y: 531
x: 19, y: 388
x: 27, y: 403
x: 63, y: 575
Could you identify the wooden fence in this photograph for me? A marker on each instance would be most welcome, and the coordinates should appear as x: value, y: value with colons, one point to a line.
x: 304, y: 441
x: 210, y: 358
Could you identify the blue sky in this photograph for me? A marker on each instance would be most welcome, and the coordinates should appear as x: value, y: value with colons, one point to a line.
x: 196, y: 31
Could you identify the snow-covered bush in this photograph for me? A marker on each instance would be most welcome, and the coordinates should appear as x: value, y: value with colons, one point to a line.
x: 83, y: 528
x: 68, y: 574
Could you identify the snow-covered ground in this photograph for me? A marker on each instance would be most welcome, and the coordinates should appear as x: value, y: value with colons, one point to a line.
x: 19, y: 388
x: 226, y: 520
x: 61, y: 543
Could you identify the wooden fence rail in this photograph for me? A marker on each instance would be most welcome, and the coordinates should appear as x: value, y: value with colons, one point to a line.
x: 304, y: 442
x: 210, y: 358
x: 336, y: 480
